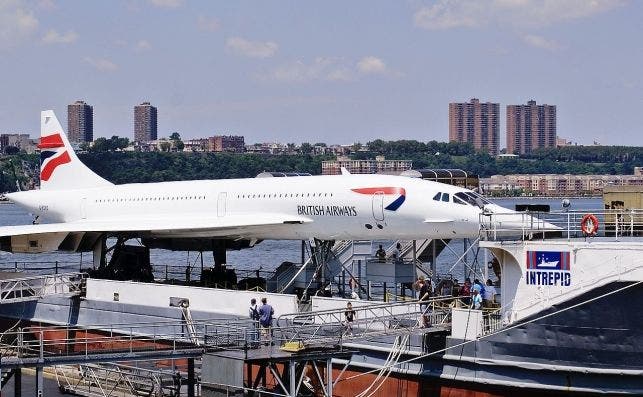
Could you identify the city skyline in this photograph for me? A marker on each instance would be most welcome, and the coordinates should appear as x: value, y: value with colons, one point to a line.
x: 335, y: 72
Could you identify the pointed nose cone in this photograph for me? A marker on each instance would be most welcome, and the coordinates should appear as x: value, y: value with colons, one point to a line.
x: 505, y: 222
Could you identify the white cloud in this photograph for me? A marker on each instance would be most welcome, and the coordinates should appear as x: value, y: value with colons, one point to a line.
x: 541, y: 42
x: 252, y: 49
x: 53, y: 37
x: 299, y: 71
x: 101, y: 64
x: 166, y: 3
x: 340, y: 74
x: 17, y: 23
x: 371, y: 65
x: 443, y: 15
x: 143, y: 45
x: 207, y: 23
x: 330, y: 69
x: 447, y: 14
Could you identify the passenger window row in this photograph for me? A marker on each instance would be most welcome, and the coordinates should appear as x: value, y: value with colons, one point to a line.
x: 283, y: 195
x: 142, y: 199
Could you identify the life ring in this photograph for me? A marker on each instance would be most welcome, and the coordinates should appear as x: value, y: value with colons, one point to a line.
x: 589, y: 225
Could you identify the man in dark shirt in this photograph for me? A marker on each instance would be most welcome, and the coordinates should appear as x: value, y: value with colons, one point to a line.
x: 266, y: 312
x: 423, y: 296
x: 349, y: 314
x: 380, y: 254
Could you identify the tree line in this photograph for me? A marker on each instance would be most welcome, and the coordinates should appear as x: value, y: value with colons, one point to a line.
x: 127, y: 167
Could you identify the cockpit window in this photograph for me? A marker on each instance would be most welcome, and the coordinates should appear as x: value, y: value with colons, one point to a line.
x: 478, y: 199
x: 437, y: 196
x: 466, y: 198
x: 473, y: 199
x: 445, y: 197
x: 458, y: 201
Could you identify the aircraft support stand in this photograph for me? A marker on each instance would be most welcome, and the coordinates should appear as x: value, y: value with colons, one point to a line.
x: 17, y: 382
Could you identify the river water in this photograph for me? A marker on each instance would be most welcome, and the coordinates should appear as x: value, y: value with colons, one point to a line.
x: 265, y: 256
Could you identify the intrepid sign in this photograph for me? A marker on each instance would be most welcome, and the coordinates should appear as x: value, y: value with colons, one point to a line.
x: 548, y: 268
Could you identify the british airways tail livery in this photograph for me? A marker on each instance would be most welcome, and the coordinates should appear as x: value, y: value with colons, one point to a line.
x: 81, y: 208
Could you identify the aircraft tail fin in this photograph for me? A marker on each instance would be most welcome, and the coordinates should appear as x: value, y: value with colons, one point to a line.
x: 60, y: 168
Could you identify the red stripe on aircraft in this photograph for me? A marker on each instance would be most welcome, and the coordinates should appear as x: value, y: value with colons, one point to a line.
x: 384, y: 190
x: 51, y: 142
x: 51, y: 165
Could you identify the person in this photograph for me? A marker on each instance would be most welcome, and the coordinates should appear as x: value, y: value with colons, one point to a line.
x: 465, y: 292
x: 424, y: 295
x: 380, y: 254
x: 253, y: 313
x: 489, y: 297
x: 266, y: 312
x: 349, y: 315
x: 353, y: 284
x: 397, y: 253
x: 479, y: 286
x: 176, y: 378
x: 476, y: 300
x: 495, y: 265
x: 455, y: 289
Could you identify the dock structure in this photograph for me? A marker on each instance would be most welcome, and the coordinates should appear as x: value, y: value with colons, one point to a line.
x: 297, y: 344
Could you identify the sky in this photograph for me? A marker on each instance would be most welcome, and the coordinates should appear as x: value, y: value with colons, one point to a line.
x: 326, y: 71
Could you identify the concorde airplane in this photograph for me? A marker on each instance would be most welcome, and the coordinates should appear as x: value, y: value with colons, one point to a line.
x: 75, y: 207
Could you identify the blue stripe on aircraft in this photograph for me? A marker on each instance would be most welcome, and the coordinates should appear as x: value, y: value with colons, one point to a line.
x: 396, y: 204
x: 45, y: 154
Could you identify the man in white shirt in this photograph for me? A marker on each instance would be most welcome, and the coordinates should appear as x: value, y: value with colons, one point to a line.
x: 489, y: 297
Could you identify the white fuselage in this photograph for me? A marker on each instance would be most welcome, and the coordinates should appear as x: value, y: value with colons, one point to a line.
x: 335, y: 210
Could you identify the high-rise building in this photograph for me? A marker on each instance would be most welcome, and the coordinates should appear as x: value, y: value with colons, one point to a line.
x: 80, y: 122
x: 145, y: 127
x: 476, y: 123
x: 530, y: 127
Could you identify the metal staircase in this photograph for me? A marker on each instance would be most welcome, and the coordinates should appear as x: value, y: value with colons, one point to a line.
x: 331, y: 261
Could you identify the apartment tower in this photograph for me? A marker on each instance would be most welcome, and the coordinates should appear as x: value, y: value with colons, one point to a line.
x: 145, y: 127
x: 476, y: 123
x: 530, y: 127
x: 80, y: 122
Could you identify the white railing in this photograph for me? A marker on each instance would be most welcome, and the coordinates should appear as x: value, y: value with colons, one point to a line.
x: 565, y: 224
x: 370, y: 319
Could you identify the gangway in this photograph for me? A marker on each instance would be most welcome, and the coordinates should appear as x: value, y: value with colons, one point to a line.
x: 111, y: 380
x: 319, y: 328
x: 24, y: 289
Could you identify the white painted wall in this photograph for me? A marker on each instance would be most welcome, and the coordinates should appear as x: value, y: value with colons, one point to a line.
x: 216, y: 301
x: 594, y: 263
x: 466, y: 323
